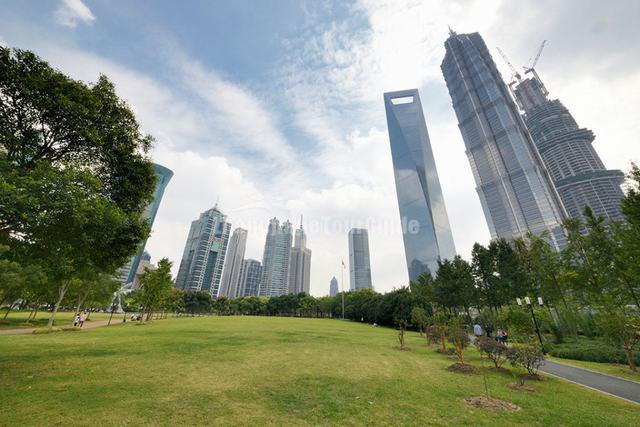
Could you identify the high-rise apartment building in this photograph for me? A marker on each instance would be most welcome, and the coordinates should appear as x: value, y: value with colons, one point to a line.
x: 204, y: 253
x: 333, y: 287
x: 229, y: 286
x: 300, y: 264
x: 276, y: 258
x: 515, y: 189
x: 127, y: 273
x: 359, y: 264
x: 250, y: 276
x: 425, y: 224
x: 567, y: 151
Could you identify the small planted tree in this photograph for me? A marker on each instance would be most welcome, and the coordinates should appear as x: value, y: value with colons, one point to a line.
x: 439, y: 331
x: 420, y: 319
x: 624, y: 331
x: 494, y: 350
x: 155, y: 286
x: 459, y: 337
x: 527, y: 358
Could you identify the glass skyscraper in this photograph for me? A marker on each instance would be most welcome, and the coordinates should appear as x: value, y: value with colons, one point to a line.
x: 127, y: 273
x: 233, y: 263
x: 204, y: 253
x: 333, y: 287
x: 425, y: 224
x: 300, y: 264
x: 515, y: 189
x: 250, y: 276
x: 576, y: 169
x: 359, y: 263
x: 276, y: 258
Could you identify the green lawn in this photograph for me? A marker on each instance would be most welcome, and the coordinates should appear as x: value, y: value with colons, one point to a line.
x: 257, y: 371
x: 17, y: 319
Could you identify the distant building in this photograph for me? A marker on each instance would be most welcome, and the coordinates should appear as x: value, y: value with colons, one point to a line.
x: 276, y: 258
x: 359, y: 264
x: 204, y: 253
x: 567, y: 151
x: 300, y: 264
x: 515, y: 189
x: 426, y: 230
x: 126, y: 273
x: 144, y: 265
x: 333, y: 287
x: 233, y: 263
x: 250, y: 276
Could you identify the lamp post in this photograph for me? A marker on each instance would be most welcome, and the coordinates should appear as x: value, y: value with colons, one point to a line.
x: 527, y: 301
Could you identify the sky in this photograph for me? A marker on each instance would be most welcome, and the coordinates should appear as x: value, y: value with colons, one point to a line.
x: 274, y: 108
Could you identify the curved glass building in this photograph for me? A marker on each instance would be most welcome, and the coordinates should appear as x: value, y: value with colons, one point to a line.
x: 425, y: 224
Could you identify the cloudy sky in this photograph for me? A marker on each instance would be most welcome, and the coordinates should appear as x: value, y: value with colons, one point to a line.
x: 274, y: 108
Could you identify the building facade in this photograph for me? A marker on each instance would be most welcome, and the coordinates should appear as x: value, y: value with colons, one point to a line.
x: 276, y: 258
x: 126, y: 273
x: 333, y: 287
x: 515, y: 189
x: 230, y: 283
x: 204, y: 253
x: 425, y: 224
x: 359, y: 263
x: 250, y: 276
x: 577, y: 171
x: 300, y: 264
x: 144, y: 265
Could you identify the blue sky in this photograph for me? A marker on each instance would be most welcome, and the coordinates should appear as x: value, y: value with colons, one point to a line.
x: 274, y: 108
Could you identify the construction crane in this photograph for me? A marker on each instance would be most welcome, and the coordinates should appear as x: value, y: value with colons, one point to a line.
x: 514, y: 72
x: 535, y: 61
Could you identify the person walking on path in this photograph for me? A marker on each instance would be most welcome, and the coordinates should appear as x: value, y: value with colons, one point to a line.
x: 477, y: 330
x: 83, y: 317
x: 76, y: 320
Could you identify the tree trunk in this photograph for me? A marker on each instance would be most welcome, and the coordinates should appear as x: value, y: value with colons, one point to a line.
x: 62, y: 290
x: 632, y: 364
x: 73, y: 318
x: 8, y: 310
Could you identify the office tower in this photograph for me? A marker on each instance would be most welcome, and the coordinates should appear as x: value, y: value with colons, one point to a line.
x: 300, y: 264
x: 144, y: 265
x: 514, y: 187
x: 126, y: 273
x: 233, y: 262
x: 204, y: 253
x: 333, y: 287
x: 250, y: 276
x: 276, y: 258
x: 425, y: 224
x: 359, y: 265
x: 578, y: 174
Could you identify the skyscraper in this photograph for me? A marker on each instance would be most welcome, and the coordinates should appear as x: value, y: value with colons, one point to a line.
x: 204, y: 253
x: 127, y: 273
x: 333, y: 287
x: 229, y: 286
x: 514, y: 187
x: 425, y: 224
x: 359, y: 265
x: 300, y: 264
x: 250, y: 275
x: 276, y: 258
x: 576, y: 169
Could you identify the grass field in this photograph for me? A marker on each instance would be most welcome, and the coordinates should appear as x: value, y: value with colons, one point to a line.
x: 17, y: 319
x: 256, y: 371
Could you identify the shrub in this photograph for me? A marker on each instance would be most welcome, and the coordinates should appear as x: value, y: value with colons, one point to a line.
x: 41, y: 331
x: 591, y: 351
x: 459, y: 337
x: 70, y: 328
x: 525, y: 357
x: 495, y: 350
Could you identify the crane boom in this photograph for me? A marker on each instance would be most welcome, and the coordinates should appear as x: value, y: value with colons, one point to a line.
x: 535, y: 61
x: 514, y: 72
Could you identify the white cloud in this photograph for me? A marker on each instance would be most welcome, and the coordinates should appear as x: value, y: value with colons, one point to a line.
x: 70, y: 12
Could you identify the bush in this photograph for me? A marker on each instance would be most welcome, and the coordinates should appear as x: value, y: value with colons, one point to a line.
x: 525, y: 357
x: 70, y: 328
x: 41, y: 331
x: 591, y: 351
x: 495, y: 350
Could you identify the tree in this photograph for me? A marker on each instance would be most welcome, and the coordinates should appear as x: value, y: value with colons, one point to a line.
x: 75, y: 175
x: 11, y: 280
x: 495, y: 350
x: 454, y: 286
x: 155, y: 287
x: 526, y: 357
x: 197, y: 302
x: 458, y: 335
x: 622, y: 330
x: 420, y: 319
x: 93, y: 291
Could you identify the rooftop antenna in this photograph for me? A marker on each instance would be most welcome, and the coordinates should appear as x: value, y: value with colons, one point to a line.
x: 300, y: 221
x: 451, y: 32
x: 217, y: 200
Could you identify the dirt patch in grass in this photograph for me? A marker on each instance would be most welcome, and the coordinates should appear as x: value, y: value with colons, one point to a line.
x: 486, y: 402
x: 448, y: 351
x: 522, y: 387
x: 463, y: 368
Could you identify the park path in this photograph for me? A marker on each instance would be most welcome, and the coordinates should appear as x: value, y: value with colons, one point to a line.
x: 88, y: 325
x: 619, y: 387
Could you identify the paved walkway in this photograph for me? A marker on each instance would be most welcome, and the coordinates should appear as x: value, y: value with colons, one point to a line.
x: 625, y: 389
x: 88, y: 325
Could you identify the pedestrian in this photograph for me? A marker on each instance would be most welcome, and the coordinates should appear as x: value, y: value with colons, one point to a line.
x: 499, y: 335
x: 505, y: 336
x: 76, y: 320
x: 477, y: 330
x: 83, y: 317
x: 489, y: 331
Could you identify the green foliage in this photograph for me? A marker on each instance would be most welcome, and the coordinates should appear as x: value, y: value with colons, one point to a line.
x: 495, y: 350
x: 526, y: 357
x: 196, y: 302
x: 155, y: 287
x: 454, y: 285
x: 591, y: 350
x: 623, y: 330
x: 458, y: 335
x: 517, y: 320
x: 41, y: 331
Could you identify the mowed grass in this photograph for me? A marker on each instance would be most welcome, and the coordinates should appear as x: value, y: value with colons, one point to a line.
x: 18, y: 319
x: 265, y: 371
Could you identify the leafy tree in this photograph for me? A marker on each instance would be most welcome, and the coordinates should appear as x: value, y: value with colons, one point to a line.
x: 526, y: 357
x: 495, y: 350
x: 11, y: 280
x: 155, y: 287
x: 420, y: 319
x: 197, y: 302
x: 93, y: 291
x: 622, y: 330
x: 454, y: 285
x: 75, y: 176
x: 458, y: 335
